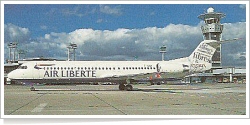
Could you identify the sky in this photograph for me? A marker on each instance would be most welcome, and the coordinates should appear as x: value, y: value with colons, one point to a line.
x: 120, y: 31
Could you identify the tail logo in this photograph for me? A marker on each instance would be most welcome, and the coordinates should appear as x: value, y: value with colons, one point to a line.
x: 201, y: 56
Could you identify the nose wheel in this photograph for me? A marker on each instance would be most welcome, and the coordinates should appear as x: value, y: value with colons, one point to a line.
x: 32, y: 88
x: 127, y: 87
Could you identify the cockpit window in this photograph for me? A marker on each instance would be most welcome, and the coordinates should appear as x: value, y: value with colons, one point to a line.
x: 22, y: 67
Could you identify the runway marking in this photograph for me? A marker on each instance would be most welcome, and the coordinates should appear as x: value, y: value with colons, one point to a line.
x: 39, y: 108
x: 26, y: 104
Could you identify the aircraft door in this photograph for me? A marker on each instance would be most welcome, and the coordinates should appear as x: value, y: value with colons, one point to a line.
x: 158, y: 67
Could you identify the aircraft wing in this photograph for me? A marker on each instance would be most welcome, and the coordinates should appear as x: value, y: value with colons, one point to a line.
x: 138, y: 78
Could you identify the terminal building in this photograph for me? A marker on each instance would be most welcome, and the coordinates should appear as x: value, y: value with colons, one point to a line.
x: 225, y: 75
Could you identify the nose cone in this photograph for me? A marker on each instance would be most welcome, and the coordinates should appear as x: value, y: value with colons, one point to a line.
x: 12, y: 75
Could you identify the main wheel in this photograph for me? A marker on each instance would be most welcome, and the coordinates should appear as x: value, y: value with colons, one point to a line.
x: 32, y: 88
x: 121, y: 87
x: 129, y: 87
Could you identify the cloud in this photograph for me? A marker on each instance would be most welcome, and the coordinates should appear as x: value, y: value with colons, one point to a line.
x: 99, y: 21
x: 126, y: 44
x: 44, y: 27
x: 243, y: 6
x: 78, y: 11
x: 111, y: 11
x: 74, y: 11
x: 13, y: 33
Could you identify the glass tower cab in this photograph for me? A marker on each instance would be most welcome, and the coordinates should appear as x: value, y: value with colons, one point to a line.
x: 212, y: 30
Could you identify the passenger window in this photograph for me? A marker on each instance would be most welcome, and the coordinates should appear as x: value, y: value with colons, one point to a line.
x: 22, y: 67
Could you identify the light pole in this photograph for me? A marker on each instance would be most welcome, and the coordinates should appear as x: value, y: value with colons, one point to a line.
x: 70, y: 47
x: 163, y: 51
x: 12, y: 46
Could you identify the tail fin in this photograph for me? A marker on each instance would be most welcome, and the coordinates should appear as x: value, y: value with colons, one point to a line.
x: 201, y: 58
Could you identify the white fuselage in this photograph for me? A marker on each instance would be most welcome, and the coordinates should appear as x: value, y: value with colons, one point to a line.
x: 86, y: 70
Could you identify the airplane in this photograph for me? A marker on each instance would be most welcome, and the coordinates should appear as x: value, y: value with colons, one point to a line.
x: 121, y: 72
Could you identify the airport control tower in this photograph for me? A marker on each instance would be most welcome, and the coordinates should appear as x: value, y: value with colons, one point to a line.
x: 212, y: 31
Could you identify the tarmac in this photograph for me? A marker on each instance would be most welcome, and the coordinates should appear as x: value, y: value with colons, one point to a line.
x: 106, y: 100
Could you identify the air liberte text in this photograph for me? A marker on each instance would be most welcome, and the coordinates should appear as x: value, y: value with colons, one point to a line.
x: 70, y: 74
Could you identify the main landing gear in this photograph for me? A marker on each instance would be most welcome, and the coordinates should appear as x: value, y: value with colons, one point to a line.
x: 127, y: 87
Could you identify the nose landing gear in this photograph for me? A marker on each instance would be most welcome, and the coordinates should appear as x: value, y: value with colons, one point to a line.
x: 127, y: 87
